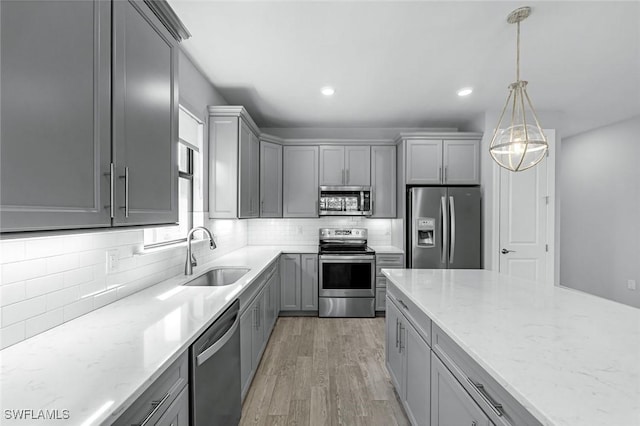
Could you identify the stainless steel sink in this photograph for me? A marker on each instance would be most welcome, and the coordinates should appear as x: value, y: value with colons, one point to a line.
x: 219, y: 276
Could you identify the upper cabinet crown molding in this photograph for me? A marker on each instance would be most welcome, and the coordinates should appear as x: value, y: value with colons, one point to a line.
x: 437, y: 135
x: 235, y: 111
x: 169, y: 19
x: 272, y: 139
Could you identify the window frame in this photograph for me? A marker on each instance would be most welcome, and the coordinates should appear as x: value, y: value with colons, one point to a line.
x: 187, y: 175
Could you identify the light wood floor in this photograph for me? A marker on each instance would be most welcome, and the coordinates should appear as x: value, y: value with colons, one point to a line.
x: 323, y: 371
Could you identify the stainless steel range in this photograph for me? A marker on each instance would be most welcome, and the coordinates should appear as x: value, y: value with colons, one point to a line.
x: 347, y: 274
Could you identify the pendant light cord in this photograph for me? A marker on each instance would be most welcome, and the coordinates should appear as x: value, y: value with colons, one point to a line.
x: 518, y: 54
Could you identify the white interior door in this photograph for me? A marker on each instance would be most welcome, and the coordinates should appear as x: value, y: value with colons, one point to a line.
x: 525, y: 220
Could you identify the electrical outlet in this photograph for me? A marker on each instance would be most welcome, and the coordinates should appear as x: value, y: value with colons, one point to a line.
x: 113, y: 259
x: 631, y: 284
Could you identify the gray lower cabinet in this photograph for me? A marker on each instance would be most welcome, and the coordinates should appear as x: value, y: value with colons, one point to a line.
x: 383, y: 181
x: 178, y: 412
x: 309, y: 282
x: 300, y: 181
x: 270, y: 179
x: 451, y: 405
x: 385, y: 260
x: 145, y: 128
x: 256, y: 323
x: 408, y: 359
x: 299, y: 282
x: 55, y: 122
x: 164, y: 402
x: 252, y: 340
x: 290, y: 282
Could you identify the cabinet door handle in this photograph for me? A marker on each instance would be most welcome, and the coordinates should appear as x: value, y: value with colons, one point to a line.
x: 403, y: 304
x: 444, y: 179
x: 112, y: 190
x: 155, y: 406
x: 479, y: 387
x: 401, y: 334
x: 126, y: 191
x: 397, y: 332
x: 261, y: 207
x: 440, y: 174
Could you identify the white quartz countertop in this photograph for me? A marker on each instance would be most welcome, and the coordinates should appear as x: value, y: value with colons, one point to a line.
x: 568, y: 357
x: 96, y: 365
x: 386, y: 249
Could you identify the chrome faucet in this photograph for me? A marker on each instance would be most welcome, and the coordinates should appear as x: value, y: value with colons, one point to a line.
x: 191, y: 259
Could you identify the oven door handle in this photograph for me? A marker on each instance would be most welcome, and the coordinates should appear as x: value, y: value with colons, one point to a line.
x: 347, y: 258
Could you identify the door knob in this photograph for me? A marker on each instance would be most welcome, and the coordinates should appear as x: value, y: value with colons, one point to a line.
x: 505, y: 251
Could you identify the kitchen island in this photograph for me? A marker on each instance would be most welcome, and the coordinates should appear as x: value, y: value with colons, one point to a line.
x: 554, y: 355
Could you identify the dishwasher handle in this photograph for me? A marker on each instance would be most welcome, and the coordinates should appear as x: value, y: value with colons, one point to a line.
x: 211, y: 350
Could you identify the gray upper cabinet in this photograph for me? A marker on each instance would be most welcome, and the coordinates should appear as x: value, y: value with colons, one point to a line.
x: 357, y: 165
x: 332, y: 165
x: 145, y: 130
x: 461, y: 162
x: 424, y: 162
x: 234, y: 163
x: 85, y: 143
x: 55, y: 122
x: 450, y: 403
x: 383, y: 181
x: 270, y: 179
x: 300, y: 181
x: 309, y: 282
x: 345, y: 165
x: 249, y: 183
x: 443, y: 161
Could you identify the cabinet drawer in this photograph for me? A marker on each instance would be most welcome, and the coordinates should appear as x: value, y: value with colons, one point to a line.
x: 381, y: 282
x: 479, y: 384
x: 159, y: 396
x: 416, y: 317
x: 388, y: 261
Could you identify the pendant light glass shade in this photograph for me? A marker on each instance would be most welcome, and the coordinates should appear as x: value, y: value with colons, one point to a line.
x: 520, y: 143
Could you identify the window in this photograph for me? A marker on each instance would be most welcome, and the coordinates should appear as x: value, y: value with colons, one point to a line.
x: 190, y: 194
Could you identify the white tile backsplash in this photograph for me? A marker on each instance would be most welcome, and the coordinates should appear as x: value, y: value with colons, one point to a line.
x: 305, y: 231
x: 45, y: 281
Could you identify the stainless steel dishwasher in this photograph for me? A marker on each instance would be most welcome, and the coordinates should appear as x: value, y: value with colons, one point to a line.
x: 215, y: 372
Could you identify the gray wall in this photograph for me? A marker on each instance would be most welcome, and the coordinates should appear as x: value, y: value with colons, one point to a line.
x: 196, y: 92
x: 600, y: 218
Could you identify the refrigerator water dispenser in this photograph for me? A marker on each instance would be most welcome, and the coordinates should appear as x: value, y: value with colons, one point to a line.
x: 425, y: 228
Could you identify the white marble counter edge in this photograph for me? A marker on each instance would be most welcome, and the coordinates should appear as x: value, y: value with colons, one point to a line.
x: 539, y: 415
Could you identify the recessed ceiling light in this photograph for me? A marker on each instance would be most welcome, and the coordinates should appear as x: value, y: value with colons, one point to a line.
x: 465, y: 91
x: 328, y: 91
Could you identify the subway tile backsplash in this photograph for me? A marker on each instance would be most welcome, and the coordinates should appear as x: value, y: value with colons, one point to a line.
x: 305, y: 231
x: 45, y: 281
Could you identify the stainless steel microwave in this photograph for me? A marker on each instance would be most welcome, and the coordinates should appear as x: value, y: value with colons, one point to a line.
x: 345, y: 201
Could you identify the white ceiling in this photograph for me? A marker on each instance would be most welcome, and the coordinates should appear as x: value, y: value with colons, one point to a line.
x: 399, y: 64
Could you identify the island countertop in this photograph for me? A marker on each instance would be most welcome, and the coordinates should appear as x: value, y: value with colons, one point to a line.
x: 568, y: 357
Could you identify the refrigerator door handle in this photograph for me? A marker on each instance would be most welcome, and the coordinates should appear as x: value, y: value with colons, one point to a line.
x: 445, y: 227
x: 452, y: 213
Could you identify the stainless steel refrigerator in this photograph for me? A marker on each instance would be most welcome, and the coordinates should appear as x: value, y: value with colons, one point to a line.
x: 443, y: 229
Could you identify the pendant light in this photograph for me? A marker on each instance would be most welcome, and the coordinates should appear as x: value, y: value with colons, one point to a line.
x: 522, y: 144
